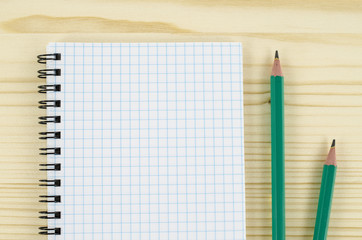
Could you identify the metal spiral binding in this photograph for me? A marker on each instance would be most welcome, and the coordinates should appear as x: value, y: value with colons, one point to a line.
x: 43, y: 58
x: 45, y: 104
x: 48, y: 199
x: 44, y: 73
x: 50, y: 167
x: 49, y: 119
x: 46, y: 135
x: 50, y: 215
x: 49, y: 183
x: 49, y: 88
x: 49, y: 151
x: 49, y: 231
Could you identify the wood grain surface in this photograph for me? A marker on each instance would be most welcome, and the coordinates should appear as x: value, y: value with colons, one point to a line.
x: 320, y: 46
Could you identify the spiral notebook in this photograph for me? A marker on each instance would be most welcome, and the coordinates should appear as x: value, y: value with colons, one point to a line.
x: 144, y: 141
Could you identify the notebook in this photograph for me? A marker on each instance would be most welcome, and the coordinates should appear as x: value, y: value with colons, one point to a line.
x: 144, y: 141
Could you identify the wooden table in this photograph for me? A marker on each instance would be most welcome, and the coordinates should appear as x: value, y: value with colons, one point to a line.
x: 320, y: 45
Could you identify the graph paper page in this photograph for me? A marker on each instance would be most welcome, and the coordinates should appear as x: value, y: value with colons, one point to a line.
x: 151, y: 141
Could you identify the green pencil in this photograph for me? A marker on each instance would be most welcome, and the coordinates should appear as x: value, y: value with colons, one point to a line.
x: 277, y: 150
x: 326, y: 195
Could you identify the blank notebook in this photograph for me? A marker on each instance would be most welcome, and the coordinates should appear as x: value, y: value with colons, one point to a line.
x: 144, y: 141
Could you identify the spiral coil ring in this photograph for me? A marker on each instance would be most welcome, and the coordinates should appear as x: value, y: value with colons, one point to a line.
x: 49, y: 119
x: 46, y: 135
x: 50, y: 167
x: 49, y: 231
x: 46, y: 104
x: 44, y: 73
x: 49, y: 198
x: 49, y: 88
x: 49, y: 183
x: 49, y: 151
x: 50, y: 215
x: 43, y: 58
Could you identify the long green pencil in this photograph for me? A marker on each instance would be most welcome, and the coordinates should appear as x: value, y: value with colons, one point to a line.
x: 277, y: 150
x: 326, y: 195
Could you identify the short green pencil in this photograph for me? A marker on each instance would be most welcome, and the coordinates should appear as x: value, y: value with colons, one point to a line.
x: 277, y: 150
x: 326, y: 195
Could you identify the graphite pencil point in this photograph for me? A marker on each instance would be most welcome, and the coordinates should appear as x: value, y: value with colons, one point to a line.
x: 333, y: 143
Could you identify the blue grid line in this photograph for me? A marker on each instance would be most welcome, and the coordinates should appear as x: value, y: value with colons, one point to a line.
x: 139, y: 142
x: 158, y: 150
x: 112, y: 230
x: 121, y: 141
x: 177, y: 158
x: 130, y: 172
x: 186, y: 155
x: 214, y: 157
x: 232, y: 151
x: 203, y: 70
x: 73, y: 152
x: 193, y: 45
x: 167, y: 153
x: 149, y: 150
x: 160, y: 55
x: 102, y: 138
x: 93, y: 148
x: 83, y: 173
x: 223, y: 134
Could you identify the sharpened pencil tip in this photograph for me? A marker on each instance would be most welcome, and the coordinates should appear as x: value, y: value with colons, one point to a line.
x: 277, y: 70
x: 333, y: 143
x: 331, y: 158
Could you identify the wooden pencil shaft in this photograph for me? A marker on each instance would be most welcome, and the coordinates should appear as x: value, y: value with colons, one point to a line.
x: 325, y: 202
x: 277, y: 148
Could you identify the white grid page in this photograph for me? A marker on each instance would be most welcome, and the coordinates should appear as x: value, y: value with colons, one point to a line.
x: 152, y: 141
